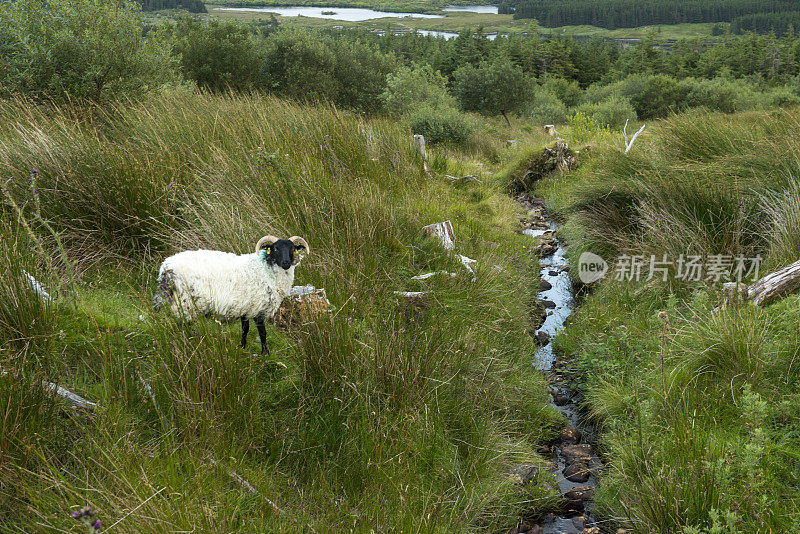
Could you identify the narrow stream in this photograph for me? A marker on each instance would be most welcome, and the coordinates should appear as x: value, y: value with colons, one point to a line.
x: 575, y: 464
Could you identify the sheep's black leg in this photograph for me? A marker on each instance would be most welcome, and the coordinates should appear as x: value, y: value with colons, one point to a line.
x: 245, y: 330
x: 262, y: 334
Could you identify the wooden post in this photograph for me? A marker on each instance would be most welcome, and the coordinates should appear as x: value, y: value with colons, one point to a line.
x: 419, y: 144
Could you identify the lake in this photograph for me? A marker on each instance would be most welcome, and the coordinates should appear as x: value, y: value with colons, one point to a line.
x: 473, y: 9
x: 349, y: 14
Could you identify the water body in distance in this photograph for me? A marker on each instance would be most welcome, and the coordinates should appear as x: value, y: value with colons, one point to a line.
x: 473, y: 9
x: 349, y: 14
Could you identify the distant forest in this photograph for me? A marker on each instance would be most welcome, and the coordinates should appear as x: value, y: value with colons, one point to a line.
x: 753, y: 15
x: 195, y: 6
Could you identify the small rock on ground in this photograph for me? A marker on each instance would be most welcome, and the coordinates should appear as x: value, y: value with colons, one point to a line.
x: 577, y: 472
x: 542, y: 338
x: 577, y: 453
x: 570, y: 435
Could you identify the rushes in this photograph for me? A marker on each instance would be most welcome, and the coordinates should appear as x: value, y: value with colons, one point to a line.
x: 378, y: 416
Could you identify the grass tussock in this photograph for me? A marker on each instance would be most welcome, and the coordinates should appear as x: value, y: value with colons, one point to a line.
x: 697, y: 400
x: 385, y: 415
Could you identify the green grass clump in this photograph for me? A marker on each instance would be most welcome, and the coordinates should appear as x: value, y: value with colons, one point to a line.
x: 382, y: 415
x: 696, y: 397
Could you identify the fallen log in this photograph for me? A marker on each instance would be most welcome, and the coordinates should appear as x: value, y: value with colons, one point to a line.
x: 72, y: 398
x: 775, y: 285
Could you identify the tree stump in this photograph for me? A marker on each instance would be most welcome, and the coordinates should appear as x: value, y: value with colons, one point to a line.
x: 443, y: 231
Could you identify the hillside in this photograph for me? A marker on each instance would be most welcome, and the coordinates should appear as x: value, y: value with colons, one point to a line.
x: 407, y: 416
x: 696, y: 391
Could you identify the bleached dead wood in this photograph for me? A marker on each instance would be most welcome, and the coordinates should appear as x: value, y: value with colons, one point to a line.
x: 775, y: 285
x: 428, y: 275
x: 72, y: 398
x: 37, y: 287
x: 625, y: 136
x: 412, y: 294
x: 419, y: 144
x: 469, y: 263
x: 442, y: 230
x: 149, y: 391
x: 246, y: 485
x: 467, y: 178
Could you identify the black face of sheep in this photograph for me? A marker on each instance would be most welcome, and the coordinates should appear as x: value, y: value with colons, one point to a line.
x: 282, y: 253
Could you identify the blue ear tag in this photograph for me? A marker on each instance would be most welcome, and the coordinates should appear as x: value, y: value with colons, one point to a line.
x: 265, y: 252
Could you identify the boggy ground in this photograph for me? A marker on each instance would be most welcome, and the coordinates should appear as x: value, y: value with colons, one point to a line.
x: 379, y: 417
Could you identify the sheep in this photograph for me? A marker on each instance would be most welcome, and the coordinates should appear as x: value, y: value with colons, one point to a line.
x: 231, y: 286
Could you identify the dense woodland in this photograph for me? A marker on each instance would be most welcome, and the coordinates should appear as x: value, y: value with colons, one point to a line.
x: 634, y: 13
x: 193, y: 6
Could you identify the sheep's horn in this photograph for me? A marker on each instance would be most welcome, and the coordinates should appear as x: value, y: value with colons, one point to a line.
x: 297, y: 240
x: 266, y: 240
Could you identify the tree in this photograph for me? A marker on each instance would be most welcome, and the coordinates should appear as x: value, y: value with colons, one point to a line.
x: 217, y: 55
x: 411, y: 87
x: 93, y: 49
x: 493, y: 87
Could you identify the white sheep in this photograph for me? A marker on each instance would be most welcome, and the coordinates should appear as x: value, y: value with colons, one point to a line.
x: 229, y: 286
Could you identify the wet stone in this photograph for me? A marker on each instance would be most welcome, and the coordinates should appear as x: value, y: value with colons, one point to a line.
x: 579, y: 522
x: 577, y: 472
x: 561, y: 400
x: 581, y: 493
x: 542, y: 338
x: 577, y: 453
x: 570, y: 435
x: 552, y: 273
x: 549, y: 304
x: 544, y: 285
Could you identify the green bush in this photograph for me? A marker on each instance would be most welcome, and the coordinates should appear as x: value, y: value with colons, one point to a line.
x: 410, y: 87
x: 546, y: 108
x: 53, y: 52
x: 217, y: 55
x: 611, y: 113
x: 492, y: 88
x: 567, y: 91
x: 441, y: 124
x: 307, y: 66
x: 660, y: 96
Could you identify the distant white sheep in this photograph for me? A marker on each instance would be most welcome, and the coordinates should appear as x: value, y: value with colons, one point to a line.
x: 229, y: 286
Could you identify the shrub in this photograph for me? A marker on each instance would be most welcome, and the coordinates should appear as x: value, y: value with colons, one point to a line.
x: 217, y: 55
x: 410, y: 87
x: 582, y: 127
x: 611, y: 113
x: 441, y: 124
x: 492, y: 88
x: 660, y: 96
x: 304, y: 65
x: 53, y: 52
x: 546, y: 108
x: 567, y: 91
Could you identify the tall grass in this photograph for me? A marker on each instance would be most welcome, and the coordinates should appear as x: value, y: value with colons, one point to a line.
x: 696, y: 395
x: 384, y: 415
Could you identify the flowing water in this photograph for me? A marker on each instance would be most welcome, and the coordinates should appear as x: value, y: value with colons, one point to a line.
x: 575, y: 514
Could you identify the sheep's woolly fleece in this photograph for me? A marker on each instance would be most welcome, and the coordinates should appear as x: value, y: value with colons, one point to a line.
x: 210, y: 282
